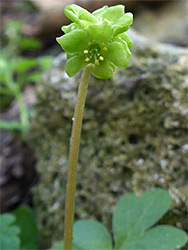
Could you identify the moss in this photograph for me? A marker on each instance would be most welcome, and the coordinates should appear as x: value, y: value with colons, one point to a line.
x: 133, y: 139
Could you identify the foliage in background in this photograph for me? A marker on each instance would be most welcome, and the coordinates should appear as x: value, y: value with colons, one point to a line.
x: 19, y: 230
x: 16, y: 70
x: 133, y: 221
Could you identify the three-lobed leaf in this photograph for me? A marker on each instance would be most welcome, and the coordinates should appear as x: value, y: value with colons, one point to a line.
x: 160, y: 237
x: 133, y: 217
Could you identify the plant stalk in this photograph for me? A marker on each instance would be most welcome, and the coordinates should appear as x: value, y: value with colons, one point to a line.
x: 73, y: 159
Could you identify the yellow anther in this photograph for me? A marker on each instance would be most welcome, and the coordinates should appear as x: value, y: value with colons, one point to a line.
x: 94, y: 41
x: 102, y: 44
x: 105, y: 49
x: 89, y: 43
x: 96, y: 62
x: 85, y: 51
x: 101, y: 58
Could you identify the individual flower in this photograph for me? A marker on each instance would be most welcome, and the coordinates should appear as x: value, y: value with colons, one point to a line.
x: 98, y: 39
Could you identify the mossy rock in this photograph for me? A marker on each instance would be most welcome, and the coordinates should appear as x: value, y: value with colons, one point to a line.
x: 133, y: 138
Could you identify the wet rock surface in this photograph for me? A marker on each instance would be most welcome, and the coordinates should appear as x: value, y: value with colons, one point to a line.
x: 133, y: 138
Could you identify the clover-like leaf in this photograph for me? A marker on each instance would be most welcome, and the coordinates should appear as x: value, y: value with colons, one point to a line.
x: 88, y: 235
x: 133, y: 217
x: 91, y: 38
x: 160, y: 237
x: 96, y: 234
x: 9, y: 233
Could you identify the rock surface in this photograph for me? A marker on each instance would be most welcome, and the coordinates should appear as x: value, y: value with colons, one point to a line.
x: 133, y: 138
x: 165, y: 23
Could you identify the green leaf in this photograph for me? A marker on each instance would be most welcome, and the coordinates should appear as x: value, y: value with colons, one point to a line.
x: 28, y: 43
x: 25, y: 219
x: 9, y: 233
x: 75, y: 64
x: 12, y: 125
x: 33, y: 77
x: 45, y: 62
x: 101, y: 32
x: 161, y: 237
x: 123, y: 23
x: 74, y: 42
x: 112, y: 14
x: 60, y: 246
x: 23, y: 65
x: 88, y: 235
x: 91, y: 235
x: 117, y: 54
x: 133, y: 215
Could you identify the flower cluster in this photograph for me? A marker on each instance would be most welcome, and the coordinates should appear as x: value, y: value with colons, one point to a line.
x: 98, y: 39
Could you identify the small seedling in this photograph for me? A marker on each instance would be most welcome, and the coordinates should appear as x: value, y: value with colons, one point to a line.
x: 16, y: 70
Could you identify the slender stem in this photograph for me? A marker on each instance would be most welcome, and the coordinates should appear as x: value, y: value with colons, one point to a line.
x: 73, y: 159
x: 23, y: 110
x: 17, y: 92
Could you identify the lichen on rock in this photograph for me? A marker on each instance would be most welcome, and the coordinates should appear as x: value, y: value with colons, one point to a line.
x: 133, y: 138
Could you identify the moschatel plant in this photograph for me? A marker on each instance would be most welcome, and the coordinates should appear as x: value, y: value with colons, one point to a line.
x: 98, y: 43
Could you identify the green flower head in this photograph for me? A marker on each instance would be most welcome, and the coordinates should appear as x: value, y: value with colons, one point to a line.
x: 98, y: 39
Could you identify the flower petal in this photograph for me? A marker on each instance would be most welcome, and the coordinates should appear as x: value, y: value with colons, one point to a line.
x: 113, y: 13
x: 117, y: 55
x: 123, y: 23
x: 101, y: 32
x: 69, y: 28
x: 103, y: 71
x: 99, y: 12
x: 75, y: 64
x: 74, y: 41
x: 75, y: 13
x: 126, y: 47
x: 127, y: 39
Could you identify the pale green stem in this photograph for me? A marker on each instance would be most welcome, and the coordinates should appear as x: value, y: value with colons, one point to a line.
x: 23, y: 111
x: 73, y: 159
x: 16, y: 91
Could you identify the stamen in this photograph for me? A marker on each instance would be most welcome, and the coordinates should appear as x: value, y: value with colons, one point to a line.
x: 102, y: 44
x: 101, y: 58
x: 96, y: 62
x: 105, y: 49
x: 89, y: 44
x: 85, y: 51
